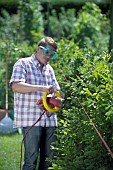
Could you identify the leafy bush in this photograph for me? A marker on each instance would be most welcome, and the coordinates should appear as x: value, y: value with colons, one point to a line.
x: 86, y: 81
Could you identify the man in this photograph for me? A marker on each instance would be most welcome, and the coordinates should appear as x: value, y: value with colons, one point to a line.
x: 31, y: 77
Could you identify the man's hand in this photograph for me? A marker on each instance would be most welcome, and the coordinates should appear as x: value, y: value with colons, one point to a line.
x: 49, y: 89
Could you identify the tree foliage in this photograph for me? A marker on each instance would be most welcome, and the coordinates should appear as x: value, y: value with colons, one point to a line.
x: 89, y: 27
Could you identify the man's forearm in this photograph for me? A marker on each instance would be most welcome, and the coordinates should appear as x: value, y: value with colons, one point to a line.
x: 21, y: 87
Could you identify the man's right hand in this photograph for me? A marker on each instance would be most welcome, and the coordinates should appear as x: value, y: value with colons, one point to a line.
x: 49, y: 89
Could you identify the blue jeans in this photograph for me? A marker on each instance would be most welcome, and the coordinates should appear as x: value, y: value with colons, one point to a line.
x: 38, y: 139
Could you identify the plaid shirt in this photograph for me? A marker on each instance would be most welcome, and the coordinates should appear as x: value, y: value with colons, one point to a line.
x: 26, y: 110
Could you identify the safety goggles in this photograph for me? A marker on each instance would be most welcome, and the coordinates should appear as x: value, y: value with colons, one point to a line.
x: 49, y: 52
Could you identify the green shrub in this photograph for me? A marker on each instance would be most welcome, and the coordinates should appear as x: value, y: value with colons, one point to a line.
x: 86, y: 81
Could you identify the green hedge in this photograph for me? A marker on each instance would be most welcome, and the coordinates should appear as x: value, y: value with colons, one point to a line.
x: 86, y: 79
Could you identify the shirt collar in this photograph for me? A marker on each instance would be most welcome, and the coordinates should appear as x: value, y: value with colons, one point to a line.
x: 36, y: 62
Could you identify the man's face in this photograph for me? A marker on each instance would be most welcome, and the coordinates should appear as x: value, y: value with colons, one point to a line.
x: 45, y: 54
x: 42, y: 57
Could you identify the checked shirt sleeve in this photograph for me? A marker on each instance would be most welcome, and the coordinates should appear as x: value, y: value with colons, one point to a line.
x: 19, y: 72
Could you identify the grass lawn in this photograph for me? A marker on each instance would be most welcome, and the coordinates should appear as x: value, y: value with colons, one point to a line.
x: 10, y: 151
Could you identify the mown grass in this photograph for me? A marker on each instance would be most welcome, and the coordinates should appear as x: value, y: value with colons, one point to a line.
x: 10, y: 151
